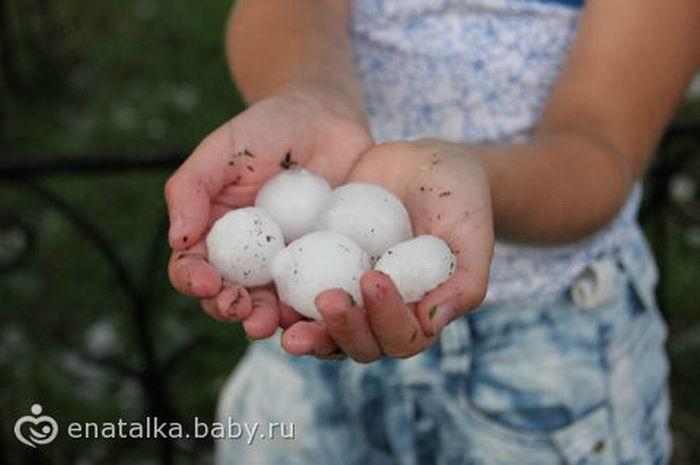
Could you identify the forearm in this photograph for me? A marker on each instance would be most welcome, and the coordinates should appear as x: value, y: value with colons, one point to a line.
x: 560, y: 187
x: 626, y: 71
x: 276, y: 45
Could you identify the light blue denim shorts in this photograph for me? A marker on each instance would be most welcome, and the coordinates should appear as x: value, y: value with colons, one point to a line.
x: 577, y: 381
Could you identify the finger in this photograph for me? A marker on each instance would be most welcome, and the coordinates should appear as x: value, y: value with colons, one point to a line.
x: 233, y: 303
x: 471, y: 240
x: 348, y: 326
x: 263, y: 296
x: 191, y: 274
x: 308, y: 338
x: 188, y: 209
x: 264, y: 319
x: 200, y: 178
x: 288, y: 316
x: 210, y: 308
x: 392, y: 321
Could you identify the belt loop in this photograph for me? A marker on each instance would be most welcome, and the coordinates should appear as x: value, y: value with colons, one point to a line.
x: 595, y: 284
x: 642, y: 273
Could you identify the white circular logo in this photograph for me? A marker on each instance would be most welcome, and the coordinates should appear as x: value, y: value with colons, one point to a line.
x: 36, y: 429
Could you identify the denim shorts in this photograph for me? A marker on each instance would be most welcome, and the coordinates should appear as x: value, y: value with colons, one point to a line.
x: 577, y: 381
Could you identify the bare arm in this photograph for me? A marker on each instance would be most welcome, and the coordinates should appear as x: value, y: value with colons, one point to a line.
x: 627, y: 71
x: 274, y: 45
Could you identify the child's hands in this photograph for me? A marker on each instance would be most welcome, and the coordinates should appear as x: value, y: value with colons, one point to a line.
x: 447, y: 194
x: 225, y: 172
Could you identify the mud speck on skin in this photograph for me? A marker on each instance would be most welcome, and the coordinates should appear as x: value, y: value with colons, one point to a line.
x: 287, y: 162
x: 432, y: 312
x: 239, y: 296
x: 445, y: 194
x: 414, y: 334
x: 250, y: 168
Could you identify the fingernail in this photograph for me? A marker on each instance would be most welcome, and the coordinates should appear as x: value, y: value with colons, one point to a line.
x: 439, y: 316
x: 334, y: 313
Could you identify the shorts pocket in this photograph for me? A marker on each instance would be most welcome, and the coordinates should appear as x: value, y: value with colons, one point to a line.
x: 585, y: 441
x: 541, y: 372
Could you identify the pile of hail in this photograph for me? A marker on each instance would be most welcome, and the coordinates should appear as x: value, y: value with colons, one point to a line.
x: 332, y: 237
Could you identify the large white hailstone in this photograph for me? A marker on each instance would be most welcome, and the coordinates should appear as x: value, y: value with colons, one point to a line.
x: 368, y: 214
x: 293, y: 198
x: 418, y: 266
x: 241, y: 245
x: 317, y: 262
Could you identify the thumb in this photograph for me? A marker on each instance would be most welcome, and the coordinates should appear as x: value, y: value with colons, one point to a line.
x: 189, y: 190
x: 188, y: 209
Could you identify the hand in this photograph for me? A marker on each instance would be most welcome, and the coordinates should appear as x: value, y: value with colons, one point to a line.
x: 447, y: 194
x: 226, y: 171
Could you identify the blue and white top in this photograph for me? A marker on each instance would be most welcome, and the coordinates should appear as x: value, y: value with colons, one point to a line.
x: 478, y: 71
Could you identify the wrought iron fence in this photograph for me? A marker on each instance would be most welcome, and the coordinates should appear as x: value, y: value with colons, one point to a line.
x: 151, y: 372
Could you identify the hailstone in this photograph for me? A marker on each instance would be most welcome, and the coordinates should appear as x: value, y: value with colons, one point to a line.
x: 241, y: 245
x: 293, y: 199
x: 317, y: 262
x: 368, y: 214
x: 418, y: 266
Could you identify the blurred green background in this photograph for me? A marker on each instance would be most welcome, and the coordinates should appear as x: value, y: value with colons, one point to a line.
x: 143, y: 77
